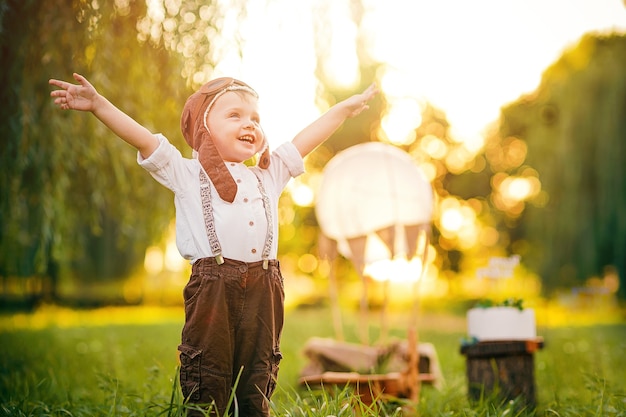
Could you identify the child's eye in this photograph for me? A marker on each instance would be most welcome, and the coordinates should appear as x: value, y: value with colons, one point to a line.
x: 236, y: 115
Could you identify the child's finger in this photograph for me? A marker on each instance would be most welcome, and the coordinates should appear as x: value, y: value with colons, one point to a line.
x: 371, y: 91
x: 57, y: 83
x: 81, y: 80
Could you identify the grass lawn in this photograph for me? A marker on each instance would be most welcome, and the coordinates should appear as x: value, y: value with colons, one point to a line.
x: 123, y: 362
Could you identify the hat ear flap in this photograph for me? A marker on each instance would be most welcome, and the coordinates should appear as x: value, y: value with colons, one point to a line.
x: 264, y: 159
x: 185, y: 122
x: 213, y: 164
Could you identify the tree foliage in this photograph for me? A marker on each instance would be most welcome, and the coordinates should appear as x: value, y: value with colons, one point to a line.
x: 568, y: 136
x: 74, y: 202
x: 574, y: 126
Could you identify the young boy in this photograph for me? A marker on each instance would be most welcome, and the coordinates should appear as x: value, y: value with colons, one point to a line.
x: 226, y: 226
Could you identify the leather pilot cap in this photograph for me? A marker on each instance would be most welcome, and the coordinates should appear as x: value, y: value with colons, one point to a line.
x: 193, y: 124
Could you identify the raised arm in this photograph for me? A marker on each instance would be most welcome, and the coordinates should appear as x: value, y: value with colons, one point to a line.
x: 84, y: 97
x: 321, y: 129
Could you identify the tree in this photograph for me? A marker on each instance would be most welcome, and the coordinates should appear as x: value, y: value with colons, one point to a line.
x: 75, y: 205
x: 574, y: 126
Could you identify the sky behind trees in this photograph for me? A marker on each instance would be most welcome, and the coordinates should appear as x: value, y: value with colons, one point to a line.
x: 467, y: 58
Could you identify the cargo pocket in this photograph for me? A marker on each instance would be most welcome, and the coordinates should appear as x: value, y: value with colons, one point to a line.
x: 190, y: 362
x: 271, y: 384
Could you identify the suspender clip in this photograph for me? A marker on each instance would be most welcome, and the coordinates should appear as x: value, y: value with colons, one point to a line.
x: 265, y: 264
x: 219, y: 259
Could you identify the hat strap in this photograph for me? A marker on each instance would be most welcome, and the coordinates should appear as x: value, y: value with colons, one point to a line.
x: 232, y: 87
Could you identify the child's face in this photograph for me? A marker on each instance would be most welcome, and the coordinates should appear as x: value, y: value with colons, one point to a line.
x: 235, y: 127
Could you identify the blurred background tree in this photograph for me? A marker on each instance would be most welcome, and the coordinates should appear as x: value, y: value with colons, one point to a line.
x: 574, y: 129
x: 75, y: 207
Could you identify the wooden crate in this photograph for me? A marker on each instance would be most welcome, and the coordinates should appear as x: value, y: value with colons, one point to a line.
x: 370, y: 387
x: 339, y: 364
x: 502, y: 369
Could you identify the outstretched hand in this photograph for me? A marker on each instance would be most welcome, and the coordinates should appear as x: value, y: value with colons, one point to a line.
x: 358, y: 102
x: 80, y: 96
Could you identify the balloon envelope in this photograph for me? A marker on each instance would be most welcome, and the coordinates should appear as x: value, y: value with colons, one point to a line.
x: 373, y: 191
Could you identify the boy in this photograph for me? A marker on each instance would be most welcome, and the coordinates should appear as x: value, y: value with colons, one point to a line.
x: 226, y: 226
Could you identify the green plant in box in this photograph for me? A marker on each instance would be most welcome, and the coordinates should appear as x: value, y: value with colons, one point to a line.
x: 509, y: 302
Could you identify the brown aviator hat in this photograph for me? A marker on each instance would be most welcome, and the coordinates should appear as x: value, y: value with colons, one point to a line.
x: 196, y: 133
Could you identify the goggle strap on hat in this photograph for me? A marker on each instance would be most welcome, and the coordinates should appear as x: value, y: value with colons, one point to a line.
x: 232, y: 87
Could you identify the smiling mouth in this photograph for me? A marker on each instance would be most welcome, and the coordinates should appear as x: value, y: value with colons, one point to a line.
x: 247, y: 138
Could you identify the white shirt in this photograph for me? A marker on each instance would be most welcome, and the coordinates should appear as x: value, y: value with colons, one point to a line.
x: 241, y: 226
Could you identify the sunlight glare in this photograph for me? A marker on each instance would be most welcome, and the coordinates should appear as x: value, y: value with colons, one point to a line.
x: 433, y: 146
x: 516, y: 189
x: 278, y: 61
x: 403, y: 117
x: 395, y: 270
x: 173, y: 261
x: 519, y: 188
x: 457, y: 160
x: 302, y: 195
x: 452, y: 219
x: 458, y: 222
x: 153, y: 261
x: 342, y: 65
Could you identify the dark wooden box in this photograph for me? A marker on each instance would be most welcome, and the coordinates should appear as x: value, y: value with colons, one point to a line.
x: 502, y: 369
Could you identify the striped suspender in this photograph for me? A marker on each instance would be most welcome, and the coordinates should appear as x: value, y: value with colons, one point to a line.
x: 209, y: 220
x: 269, y: 236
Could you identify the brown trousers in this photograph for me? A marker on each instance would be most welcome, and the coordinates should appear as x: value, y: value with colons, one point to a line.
x: 234, y: 316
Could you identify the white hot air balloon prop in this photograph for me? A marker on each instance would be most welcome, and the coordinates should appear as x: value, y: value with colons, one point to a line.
x: 377, y: 204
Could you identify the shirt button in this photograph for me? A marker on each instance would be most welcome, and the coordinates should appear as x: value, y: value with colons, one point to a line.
x: 251, y: 223
x: 239, y: 181
x: 232, y: 164
x: 253, y: 251
x: 245, y: 200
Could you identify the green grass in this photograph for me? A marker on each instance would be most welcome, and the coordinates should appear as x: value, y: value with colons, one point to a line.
x: 87, y: 367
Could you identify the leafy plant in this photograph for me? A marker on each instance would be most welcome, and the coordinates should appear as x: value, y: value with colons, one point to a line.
x: 509, y: 302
